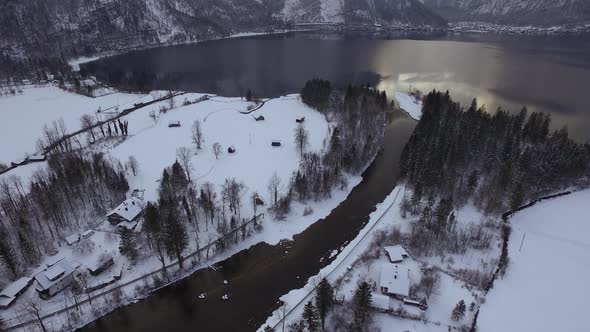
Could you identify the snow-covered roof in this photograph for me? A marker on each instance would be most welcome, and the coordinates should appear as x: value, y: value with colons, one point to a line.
x: 396, y: 253
x: 96, y: 262
x: 44, y: 278
x: 88, y: 233
x: 394, y: 279
x: 127, y: 224
x: 129, y: 209
x: 380, y: 301
x: 16, y: 287
x: 37, y: 158
x: 54, y: 272
x: 72, y: 239
x: 5, y: 301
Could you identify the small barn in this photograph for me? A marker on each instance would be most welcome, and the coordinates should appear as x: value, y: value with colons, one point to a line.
x: 380, y: 302
x: 37, y: 158
x: 55, y: 278
x: 173, y: 124
x: 87, y: 234
x: 393, y: 281
x: 129, y: 211
x: 300, y: 120
x: 396, y: 253
x: 12, y: 291
x: 275, y: 143
x: 19, y: 162
x: 259, y: 118
x: 72, y: 239
x: 99, y: 265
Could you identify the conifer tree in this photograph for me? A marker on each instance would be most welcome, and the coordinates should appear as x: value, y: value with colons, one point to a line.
x: 154, y: 231
x: 7, y: 255
x: 361, y: 306
x: 310, y: 317
x: 175, y: 237
x: 324, y: 300
x: 459, y: 311
x: 128, y: 245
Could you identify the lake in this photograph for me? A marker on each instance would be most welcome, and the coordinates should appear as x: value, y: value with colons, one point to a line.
x: 545, y: 73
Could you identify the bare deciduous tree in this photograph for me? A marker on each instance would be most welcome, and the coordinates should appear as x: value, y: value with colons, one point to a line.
x: 197, y: 135
x: 87, y: 121
x: 171, y: 99
x: 32, y: 307
x: 208, y: 199
x: 184, y: 157
x: 84, y: 247
x: 231, y: 191
x: 301, y: 137
x: 84, y: 279
x: 216, y: 150
x: 133, y: 165
x: 274, y: 186
x: 154, y: 116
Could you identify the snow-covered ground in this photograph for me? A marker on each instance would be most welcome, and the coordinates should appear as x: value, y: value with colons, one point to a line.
x: 409, y: 104
x: 154, y: 145
x: 23, y: 116
x: 546, y: 285
x: 386, y: 216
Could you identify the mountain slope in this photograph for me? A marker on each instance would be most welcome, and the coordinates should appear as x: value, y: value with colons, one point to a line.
x: 387, y: 12
x: 76, y: 27
x: 514, y: 12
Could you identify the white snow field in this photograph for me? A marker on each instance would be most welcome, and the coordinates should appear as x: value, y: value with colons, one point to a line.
x: 23, y: 116
x: 409, y: 104
x: 546, y: 285
x: 253, y: 163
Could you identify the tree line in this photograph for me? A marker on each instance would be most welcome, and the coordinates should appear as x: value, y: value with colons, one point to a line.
x: 500, y: 159
x: 64, y: 197
x: 360, y: 117
x: 495, y: 161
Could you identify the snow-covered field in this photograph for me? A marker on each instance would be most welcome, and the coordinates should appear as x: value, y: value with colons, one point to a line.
x: 546, y: 285
x: 23, y: 116
x: 409, y: 104
x: 154, y: 145
x: 386, y: 216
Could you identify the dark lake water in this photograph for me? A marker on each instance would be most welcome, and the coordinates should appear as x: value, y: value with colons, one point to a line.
x: 549, y: 74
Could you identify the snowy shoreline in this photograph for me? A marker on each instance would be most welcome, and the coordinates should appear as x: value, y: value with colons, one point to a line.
x: 76, y: 62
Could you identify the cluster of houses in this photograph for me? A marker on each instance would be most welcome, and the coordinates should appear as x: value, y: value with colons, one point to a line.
x: 59, y: 273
